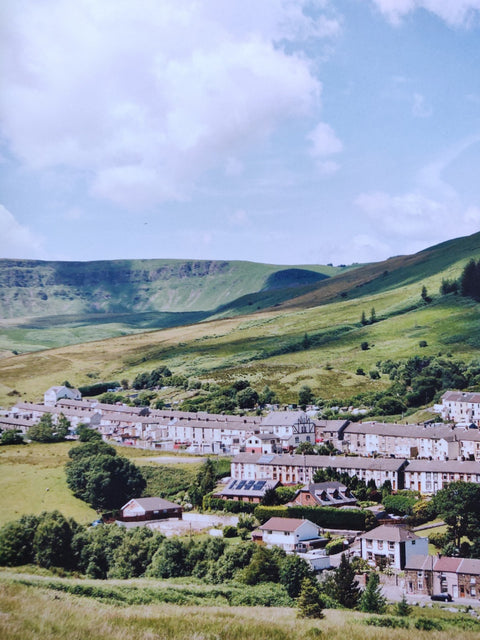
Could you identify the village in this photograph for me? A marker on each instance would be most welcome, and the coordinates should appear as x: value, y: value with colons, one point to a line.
x: 423, y: 458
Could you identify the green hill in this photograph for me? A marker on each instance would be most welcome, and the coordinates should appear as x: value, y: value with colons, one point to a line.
x: 268, y: 346
x: 48, y: 304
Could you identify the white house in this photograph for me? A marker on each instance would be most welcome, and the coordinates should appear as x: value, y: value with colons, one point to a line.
x: 429, y: 476
x: 291, y: 534
x: 395, y: 544
x: 53, y: 394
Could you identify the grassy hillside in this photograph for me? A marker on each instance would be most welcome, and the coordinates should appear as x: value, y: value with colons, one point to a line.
x: 48, y: 304
x: 267, y: 346
x: 35, y: 607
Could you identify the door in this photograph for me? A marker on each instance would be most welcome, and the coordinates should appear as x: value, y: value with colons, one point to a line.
x: 455, y: 591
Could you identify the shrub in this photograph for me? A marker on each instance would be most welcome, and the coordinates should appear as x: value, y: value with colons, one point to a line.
x: 422, y: 343
x: 387, y: 621
x: 427, y: 624
x: 364, y: 346
x: 229, y: 531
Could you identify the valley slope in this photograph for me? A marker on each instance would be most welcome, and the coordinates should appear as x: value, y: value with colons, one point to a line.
x: 268, y: 346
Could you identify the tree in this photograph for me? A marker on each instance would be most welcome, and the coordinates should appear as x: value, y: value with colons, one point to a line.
x: 262, y: 567
x: 267, y: 396
x: 10, y: 436
x: 425, y: 297
x: 363, y: 318
x: 46, y: 431
x: 346, y: 589
x: 364, y: 346
x: 16, y: 541
x: 52, y: 542
x: 458, y: 504
x: 205, y: 482
x: 470, y: 280
x: 306, y: 448
x: 373, y: 316
x: 305, y: 396
x: 169, y: 560
x: 402, y: 608
x: 372, y: 600
x: 247, y: 398
x: 293, y: 572
x: 63, y: 427
x: 309, y: 602
x: 87, y: 434
x: 306, y: 341
x: 104, y: 480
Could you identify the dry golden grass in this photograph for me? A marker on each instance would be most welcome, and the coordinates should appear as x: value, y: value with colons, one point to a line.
x: 42, y: 614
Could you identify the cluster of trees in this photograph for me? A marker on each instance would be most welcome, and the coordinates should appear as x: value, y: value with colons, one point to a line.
x: 107, y: 551
x: 46, y: 430
x: 228, y: 398
x: 458, y: 504
x: 10, y: 436
x: 100, y: 477
x: 468, y: 284
x: 156, y: 378
x: 414, y: 382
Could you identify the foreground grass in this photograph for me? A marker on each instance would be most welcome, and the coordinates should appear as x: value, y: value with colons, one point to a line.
x: 28, y: 611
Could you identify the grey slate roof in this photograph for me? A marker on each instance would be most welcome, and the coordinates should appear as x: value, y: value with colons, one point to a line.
x: 323, y: 462
x: 443, y: 466
x: 389, y: 532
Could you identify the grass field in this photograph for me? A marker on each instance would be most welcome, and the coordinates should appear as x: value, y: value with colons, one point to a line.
x: 32, y: 480
x: 33, y: 610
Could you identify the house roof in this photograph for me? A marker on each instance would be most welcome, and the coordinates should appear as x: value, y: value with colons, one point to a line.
x: 399, y: 430
x: 391, y: 533
x: 460, y: 396
x: 323, y: 462
x: 288, y: 525
x: 449, y: 565
x: 331, y: 425
x: 284, y: 418
x: 420, y: 563
x: 469, y: 565
x: 248, y: 488
x: 152, y: 504
x: 443, y: 466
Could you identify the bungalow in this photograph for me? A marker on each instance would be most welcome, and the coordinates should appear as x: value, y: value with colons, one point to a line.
x: 141, y: 509
x: 290, y: 534
x: 325, y: 494
x: 392, y: 544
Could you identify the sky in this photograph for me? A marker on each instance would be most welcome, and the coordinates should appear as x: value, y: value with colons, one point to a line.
x: 276, y: 131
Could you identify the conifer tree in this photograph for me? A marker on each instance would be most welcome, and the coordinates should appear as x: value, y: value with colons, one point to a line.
x: 309, y: 602
x: 372, y: 599
x: 402, y: 608
x: 346, y: 589
x: 373, y: 316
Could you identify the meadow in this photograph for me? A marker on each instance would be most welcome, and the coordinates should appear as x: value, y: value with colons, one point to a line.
x: 31, y: 606
x: 32, y: 480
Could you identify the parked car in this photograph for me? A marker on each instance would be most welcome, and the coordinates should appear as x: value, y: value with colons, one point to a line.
x: 442, y: 597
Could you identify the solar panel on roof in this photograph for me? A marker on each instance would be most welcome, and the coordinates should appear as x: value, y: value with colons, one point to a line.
x: 232, y: 484
x: 241, y: 484
x: 259, y: 485
x: 249, y: 485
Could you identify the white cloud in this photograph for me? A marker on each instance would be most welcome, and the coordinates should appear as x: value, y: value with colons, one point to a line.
x: 144, y: 97
x: 456, y: 13
x: 239, y: 218
x: 324, y: 141
x: 420, y: 108
x: 16, y: 240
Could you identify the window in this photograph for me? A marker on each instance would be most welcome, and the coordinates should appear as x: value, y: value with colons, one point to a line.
x: 420, y: 584
x: 369, y: 544
x: 380, y: 544
x: 391, y: 545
